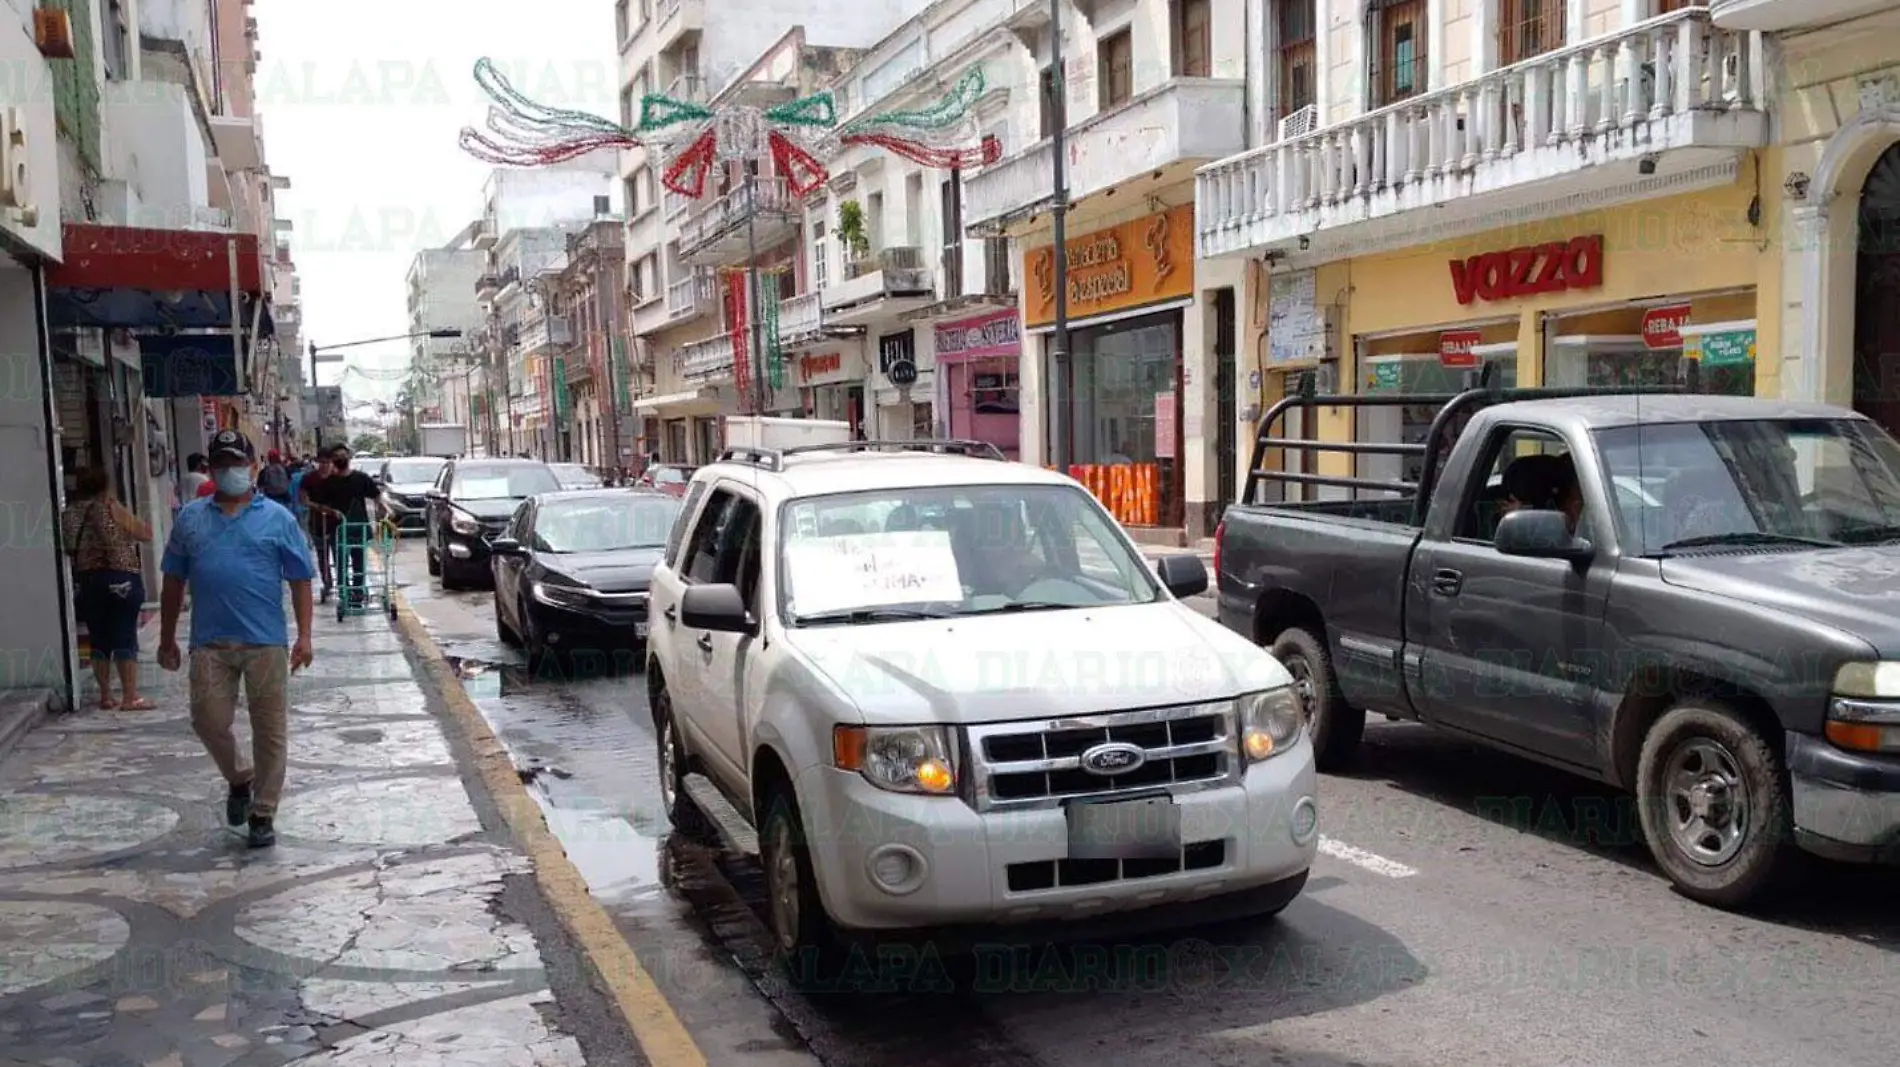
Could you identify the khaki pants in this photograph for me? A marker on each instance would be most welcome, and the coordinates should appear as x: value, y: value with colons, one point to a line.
x: 265, y: 673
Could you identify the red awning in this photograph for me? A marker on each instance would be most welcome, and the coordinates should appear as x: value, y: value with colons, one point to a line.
x: 121, y: 277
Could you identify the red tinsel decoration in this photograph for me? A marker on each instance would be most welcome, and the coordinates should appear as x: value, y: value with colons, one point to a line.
x: 801, y: 172
x: 736, y: 316
x: 491, y: 151
x: 686, y: 175
x: 989, y: 152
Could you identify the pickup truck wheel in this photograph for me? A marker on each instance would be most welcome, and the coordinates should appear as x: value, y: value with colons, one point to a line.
x: 681, y: 810
x: 1336, y: 728
x: 1715, y: 806
x: 801, y: 931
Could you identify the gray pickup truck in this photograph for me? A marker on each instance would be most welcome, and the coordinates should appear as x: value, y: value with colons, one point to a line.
x: 1693, y: 598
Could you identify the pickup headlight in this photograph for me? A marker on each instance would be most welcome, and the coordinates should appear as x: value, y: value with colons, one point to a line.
x: 465, y: 525
x: 1864, y: 715
x: 1270, y: 723
x: 561, y: 596
x: 902, y: 759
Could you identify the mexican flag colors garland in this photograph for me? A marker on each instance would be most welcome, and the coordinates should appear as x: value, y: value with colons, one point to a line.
x: 768, y: 320
x: 739, y: 328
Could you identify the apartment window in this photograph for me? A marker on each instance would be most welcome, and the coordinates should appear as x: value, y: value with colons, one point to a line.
x: 1115, y: 61
x: 1193, y: 38
x: 1398, y: 61
x: 950, y: 208
x: 1298, y: 57
x: 117, y: 43
x: 1052, y: 103
x: 820, y: 255
x: 623, y: 22
x: 1528, y: 28
x: 639, y: 192
x: 628, y: 116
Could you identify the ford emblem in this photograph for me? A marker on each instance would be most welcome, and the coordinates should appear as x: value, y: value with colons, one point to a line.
x: 1116, y: 757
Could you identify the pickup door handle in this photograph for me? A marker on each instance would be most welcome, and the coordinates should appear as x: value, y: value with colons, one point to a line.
x: 705, y: 643
x: 1447, y: 582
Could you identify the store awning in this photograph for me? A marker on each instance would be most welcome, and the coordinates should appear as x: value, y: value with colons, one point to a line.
x: 650, y: 403
x: 119, y: 277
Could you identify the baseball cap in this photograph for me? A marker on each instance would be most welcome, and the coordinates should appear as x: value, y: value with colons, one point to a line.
x: 230, y: 444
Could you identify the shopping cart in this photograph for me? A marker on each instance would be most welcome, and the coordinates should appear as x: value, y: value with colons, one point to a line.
x: 365, y: 568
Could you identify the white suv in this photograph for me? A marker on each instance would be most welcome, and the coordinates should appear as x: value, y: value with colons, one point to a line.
x: 949, y: 692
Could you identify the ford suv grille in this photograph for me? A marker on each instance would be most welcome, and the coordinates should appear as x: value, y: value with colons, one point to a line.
x: 1038, y: 764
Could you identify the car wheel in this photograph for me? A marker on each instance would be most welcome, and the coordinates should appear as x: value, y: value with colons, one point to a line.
x: 504, y: 631
x: 802, y: 934
x: 537, y: 649
x: 1336, y: 728
x: 1714, y: 801
x: 681, y: 809
x: 451, y: 580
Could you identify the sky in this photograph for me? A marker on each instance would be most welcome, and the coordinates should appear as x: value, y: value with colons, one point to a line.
x: 361, y: 102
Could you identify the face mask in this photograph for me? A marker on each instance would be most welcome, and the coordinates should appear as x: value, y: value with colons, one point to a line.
x: 233, y: 481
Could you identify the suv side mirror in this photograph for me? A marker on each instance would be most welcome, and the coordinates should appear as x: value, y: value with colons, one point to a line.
x: 715, y: 607
x: 1541, y: 535
x: 1183, y: 574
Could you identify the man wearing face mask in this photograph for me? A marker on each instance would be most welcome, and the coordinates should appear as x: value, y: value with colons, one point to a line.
x: 236, y: 551
x: 351, y: 496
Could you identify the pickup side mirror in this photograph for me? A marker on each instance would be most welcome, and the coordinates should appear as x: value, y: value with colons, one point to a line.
x: 1541, y: 535
x: 715, y: 607
x: 506, y: 546
x: 1183, y: 574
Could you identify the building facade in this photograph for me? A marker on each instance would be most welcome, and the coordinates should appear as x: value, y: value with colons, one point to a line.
x: 590, y: 293
x: 441, y: 297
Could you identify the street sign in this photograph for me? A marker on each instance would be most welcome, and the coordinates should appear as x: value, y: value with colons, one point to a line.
x: 1662, y: 326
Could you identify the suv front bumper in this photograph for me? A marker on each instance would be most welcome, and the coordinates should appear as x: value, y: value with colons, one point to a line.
x: 978, y: 868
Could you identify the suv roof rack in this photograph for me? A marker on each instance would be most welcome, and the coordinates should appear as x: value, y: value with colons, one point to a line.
x: 773, y: 459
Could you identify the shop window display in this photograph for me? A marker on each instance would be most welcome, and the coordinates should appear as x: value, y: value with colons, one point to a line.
x: 1118, y: 372
x: 1424, y: 375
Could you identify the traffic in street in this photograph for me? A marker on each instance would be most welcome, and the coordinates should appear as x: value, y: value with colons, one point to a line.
x: 1465, y: 907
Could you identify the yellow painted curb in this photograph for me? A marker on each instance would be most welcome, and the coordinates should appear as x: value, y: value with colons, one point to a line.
x: 661, y: 1036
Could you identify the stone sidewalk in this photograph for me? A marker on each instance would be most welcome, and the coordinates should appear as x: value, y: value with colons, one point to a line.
x: 388, y: 927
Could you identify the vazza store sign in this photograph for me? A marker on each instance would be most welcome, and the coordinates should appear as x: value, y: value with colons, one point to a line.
x: 1558, y: 267
x: 1147, y: 261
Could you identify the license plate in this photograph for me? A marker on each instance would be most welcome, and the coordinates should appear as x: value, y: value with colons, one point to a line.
x: 1148, y: 828
x: 640, y: 629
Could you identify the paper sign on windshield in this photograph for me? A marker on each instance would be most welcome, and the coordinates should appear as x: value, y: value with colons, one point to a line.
x: 871, y: 570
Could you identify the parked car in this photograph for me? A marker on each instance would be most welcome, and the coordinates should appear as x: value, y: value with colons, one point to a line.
x: 950, y: 690
x: 669, y: 478
x: 1708, y: 620
x: 471, y: 504
x: 575, y: 476
x: 571, y: 569
x: 406, y: 483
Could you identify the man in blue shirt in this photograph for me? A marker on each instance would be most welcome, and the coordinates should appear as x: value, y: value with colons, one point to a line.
x: 235, y: 550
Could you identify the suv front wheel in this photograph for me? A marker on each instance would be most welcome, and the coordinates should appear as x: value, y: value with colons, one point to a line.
x: 801, y: 931
x: 681, y: 809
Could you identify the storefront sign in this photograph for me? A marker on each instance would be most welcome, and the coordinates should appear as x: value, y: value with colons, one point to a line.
x: 998, y: 333
x: 1662, y: 327
x: 1728, y: 349
x: 1531, y: 270
x: 1381, y: 377
x: 1146, y: 261
x: 897, y: 358
x: 821, y: 368
x: 1164, y: 425
x: 1456, y: 348
x: 208, y: 414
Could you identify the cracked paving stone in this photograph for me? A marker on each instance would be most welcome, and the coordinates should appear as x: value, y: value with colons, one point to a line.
x: 349, y: 1000
x: 504, y: 1033
x: 44, y: 941
x: 186, y: 881
x: 383, y: 747
x: 214, y: 1014
x: 401, y: 700
x: 37, y: 830
x: 419, y: 915
x: 136, y: 1004
x: 395, y: 812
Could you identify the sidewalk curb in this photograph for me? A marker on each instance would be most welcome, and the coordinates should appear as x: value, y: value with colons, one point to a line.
x: 662, y: 1038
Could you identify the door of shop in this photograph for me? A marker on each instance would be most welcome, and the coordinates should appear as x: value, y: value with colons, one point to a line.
x: 1877, y: 279
x: 1226, y: 446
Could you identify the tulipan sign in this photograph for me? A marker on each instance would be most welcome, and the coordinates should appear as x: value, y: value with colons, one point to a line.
x: 1532, y: 270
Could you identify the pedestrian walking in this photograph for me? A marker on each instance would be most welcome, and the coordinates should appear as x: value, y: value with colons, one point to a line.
x: 195, y: 478
x: 273, y: 480
x: 236, y: 551
x: 322, y: 522
x: 103, y: 536
x: 351, y: 496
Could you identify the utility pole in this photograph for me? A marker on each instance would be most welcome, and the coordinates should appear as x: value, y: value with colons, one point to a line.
x: 1061, y: 428
x: 756, y: 321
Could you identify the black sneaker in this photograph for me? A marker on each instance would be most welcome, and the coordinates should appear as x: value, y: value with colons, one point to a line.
x: 263, y: 835
x: 237, y: 806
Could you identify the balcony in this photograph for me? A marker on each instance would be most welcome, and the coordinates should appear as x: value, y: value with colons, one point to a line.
x: 1780, y: 16
x: 692, y: 296
x: 706, y: 361
x: 802, y: 320
x: 1664, y: 106
x: 688, y: 88
x: 236, y: 141
x: 487, y: 286
x: 759, y: 213
x: 484, y: 237
x: 545, y: 331
x: 884, y: 284
x: 673, y: 18
x: 1183, y: 121
x: 578, y: 362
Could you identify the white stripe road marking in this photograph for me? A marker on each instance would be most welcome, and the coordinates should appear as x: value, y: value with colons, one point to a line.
x: 1370, y: 861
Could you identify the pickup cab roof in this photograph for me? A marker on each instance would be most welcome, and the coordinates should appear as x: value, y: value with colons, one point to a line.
x: 1602, y: 411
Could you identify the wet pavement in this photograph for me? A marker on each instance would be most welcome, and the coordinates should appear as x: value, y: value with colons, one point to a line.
x: 394, y: 923
x: 1467, y: 908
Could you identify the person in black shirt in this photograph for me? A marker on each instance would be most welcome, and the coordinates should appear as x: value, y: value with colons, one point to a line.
x: 349, y: 496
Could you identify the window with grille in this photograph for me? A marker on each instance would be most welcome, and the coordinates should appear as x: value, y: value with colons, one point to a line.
x: 1193, y: 38
x: 628, y: 117
x: 117, y: 43
x: 1298, y: 55
x: 1528, y: 28
x: 1115, y: 59
x: 623, y: 24
x: 1051, y: 103
x: 1397, y: 63
x: 820, y: 256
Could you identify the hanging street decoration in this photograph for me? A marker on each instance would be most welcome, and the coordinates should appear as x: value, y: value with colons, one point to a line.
x: 774, y: 355
x: 694, y: 137
x: 738, y: 326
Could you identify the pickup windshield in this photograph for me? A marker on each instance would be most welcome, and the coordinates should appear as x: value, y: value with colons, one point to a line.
x: 941, y: 551
x: 1801, y: 483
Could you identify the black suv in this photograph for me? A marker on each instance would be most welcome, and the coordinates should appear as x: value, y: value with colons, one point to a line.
x: 470, y: 505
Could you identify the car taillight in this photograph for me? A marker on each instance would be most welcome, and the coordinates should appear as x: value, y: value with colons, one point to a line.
x: 1220, y: 534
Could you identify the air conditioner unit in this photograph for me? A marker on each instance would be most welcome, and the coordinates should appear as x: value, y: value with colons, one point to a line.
x: 1303, y: 121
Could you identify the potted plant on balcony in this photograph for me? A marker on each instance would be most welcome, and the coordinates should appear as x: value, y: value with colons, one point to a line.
x: 857, y: 244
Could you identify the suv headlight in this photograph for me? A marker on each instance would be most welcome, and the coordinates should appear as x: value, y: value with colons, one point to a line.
x: 1270, y: 723
x: 561, y: 596
x: 902, y: 759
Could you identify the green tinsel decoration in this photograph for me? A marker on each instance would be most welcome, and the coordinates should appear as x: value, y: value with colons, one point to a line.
x: 775, y: 356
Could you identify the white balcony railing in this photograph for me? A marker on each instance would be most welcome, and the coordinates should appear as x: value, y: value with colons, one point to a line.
x: 705, y: 360
x: 801, y: 318
x: 545, y: 332
x: 691, y: 296
x: 726, y: 218
x: 898, y: 271
x: 1673, y: 82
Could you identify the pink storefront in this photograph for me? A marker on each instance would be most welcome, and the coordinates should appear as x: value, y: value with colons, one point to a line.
x: 977, y: 375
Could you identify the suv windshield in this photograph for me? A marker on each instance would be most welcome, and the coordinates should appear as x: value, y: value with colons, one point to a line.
x: 413, y: 471
x: 493, y: 482
x: 605, y: 524
x: 954, y: 550
x: 1800, y: 482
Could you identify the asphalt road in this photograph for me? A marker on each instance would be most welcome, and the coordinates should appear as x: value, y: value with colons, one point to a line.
x: 1468, y: 908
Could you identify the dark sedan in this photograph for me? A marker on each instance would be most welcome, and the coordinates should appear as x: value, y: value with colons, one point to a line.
x: 571, y: 572
x: 474, y: 504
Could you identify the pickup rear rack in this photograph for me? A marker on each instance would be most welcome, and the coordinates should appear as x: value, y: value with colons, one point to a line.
x: 1452, y: 408
x: 773, y: 459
